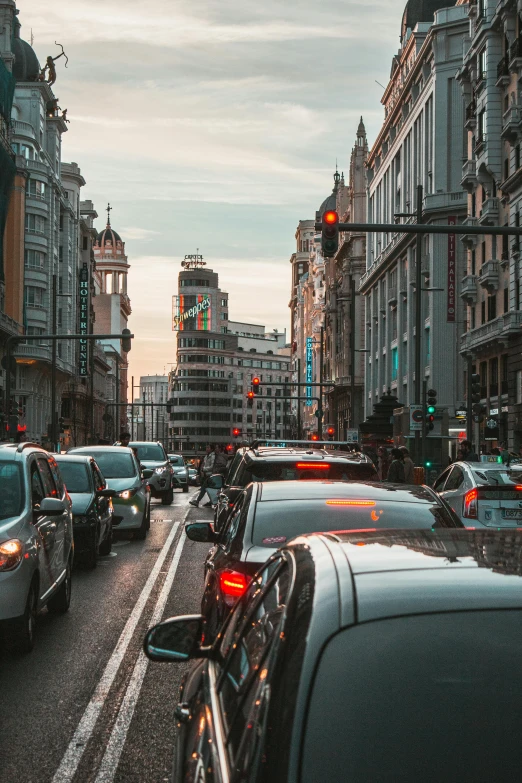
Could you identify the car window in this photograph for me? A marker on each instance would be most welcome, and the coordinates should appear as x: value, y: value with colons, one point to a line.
x: 456, y: 478
x: 11, y: 490
x: 37, y: 490
x: 49, y: 486
x: 55, y: 470
x: 99, y: 481
x: 177, y: 461
x: 246, y: 671
x: 419, y: 681
x: 76, y: 476
x: 304, y: 470
x: 151, y: 452
x: 441, y: 480
x: 233, y: 469
x: 114, y: 465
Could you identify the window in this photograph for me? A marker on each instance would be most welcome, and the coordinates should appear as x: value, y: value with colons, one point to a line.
x: 493, y: 377
x: 195, y: 283
x: 455, y: 480
x: 34, y: 297
x: 34, y: 259
x: 36, y: 189
x: 224, y: 303
x: 37, y: 490
x: 492, y: 307
x: 35, y: 224
x: 483, y: 311
x: 47, y: 478
x: 394, y: 363
x: 506, y: 299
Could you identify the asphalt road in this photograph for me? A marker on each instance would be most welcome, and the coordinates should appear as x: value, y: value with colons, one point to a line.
x: 86, y: 705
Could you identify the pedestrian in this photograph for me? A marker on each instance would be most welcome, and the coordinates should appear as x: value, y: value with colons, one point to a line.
x: 504, y: 453
x: 220, y: 461
x: 206, y: 468
x: 383, y: 463
x: 396, y: 473
x: 467, y: 450
x: 460, y: 455
x: 409, y: 467
x: 124, y: 439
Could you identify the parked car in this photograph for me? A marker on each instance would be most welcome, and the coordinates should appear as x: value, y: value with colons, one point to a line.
x: 36, y: 540
x: 91, y: 507
x: 377, y: 653
x: 122, y: 472
x: 162, y: 482
x: 268, y: 515
x: 483, y: 494
x: 269, y: 464
x: 180, y: 470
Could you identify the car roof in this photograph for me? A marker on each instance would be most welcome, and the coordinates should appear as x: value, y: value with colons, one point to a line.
x: 145, y: 443
x: 85, y: 458
x: 97, y: 449
x: 273, y: 454
x: 362, y: 490
x: 392, y: 573
x: 10, y: 451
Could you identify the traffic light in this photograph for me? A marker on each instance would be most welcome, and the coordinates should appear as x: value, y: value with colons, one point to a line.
x: 255, y: 385
x: 431, y: 408
x: 477, y: 407
x: 330, y: 233
x: 250, y: 399
x: 331, y: 433
x: 236, y: 432
x: 61, y: 424
x: 314, y: 437
x: 126, y: 342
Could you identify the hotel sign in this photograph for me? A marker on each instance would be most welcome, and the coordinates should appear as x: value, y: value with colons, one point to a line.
x: 452, y: 274
x: 83, y: 358
x: 309, y: 369
x: 191, y: 313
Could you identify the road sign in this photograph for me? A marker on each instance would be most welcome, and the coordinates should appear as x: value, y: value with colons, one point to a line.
x: 352, y: 436
x: 416, y: 418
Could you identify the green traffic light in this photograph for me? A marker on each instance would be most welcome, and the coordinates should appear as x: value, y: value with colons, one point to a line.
x: 431, y: 409
x: 428, y: 464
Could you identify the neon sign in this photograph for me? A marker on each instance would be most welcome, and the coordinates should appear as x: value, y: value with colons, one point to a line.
x: 83, y: 358
x: 191, y: 313
x: 309, y: 369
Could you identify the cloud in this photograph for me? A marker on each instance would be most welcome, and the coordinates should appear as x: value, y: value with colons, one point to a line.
x: 133, y: 232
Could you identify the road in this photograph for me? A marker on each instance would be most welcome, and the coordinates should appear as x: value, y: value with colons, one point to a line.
x: 86, y: 705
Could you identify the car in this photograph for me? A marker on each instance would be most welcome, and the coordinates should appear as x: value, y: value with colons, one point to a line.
x: 153, y: 456
x: 483, y: 494
x: 265, y: 463
x: 180, y: 470
x: 193, y: 477
x: 91, y: 507
x: 122, y: 472
x: 267, y: 515
x: 377, y: 654
x: 36, y: 541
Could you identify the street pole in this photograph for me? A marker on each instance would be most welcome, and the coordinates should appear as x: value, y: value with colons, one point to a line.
x: 424, y: 431
x: 321, y: 363
x: 418, y: 320
x: 469, y: 407
x: 352, y: 351
x: 152, y: 421
x: 54, y: 320
x: 298, y: 404
x: 117, y: 429
x: 132, y: 409
x: 91, y: 393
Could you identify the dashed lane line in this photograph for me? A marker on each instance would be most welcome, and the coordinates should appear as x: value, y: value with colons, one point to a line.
x: 111, y: 758
x: 76, y: 748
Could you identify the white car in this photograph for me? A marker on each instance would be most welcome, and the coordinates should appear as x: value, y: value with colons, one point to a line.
x: 483, y: 494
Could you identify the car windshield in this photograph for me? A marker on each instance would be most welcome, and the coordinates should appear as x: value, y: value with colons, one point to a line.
x: 176, y: 461
x: 11, y: 490
x: 306, y: 470
x: 420, y: 687
x: 150, y: 452
x: 279, y: 521
x: 115, y: 464
x: 75, y: 476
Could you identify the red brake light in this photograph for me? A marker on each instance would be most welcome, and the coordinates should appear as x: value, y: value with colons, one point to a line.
x: 350, y: 502
x: 313, y: 466
x: 471, y: 504
x: 233, y: 584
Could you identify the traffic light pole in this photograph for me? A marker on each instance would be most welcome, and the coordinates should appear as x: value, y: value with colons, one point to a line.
x: 469, y: 410
x: 424, y: 431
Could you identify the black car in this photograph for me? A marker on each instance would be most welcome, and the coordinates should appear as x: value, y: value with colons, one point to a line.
x: 265, y: 463
x: 91, y: 507
x: 267, y: 516
x: 388, y: 656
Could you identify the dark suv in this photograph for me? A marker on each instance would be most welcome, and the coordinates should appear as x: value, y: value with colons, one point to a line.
x: 266, y: 463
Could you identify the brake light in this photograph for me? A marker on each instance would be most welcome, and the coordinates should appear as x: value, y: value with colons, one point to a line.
x: 313, y: 466
x: 233, y: 585
x: 350, y: 503
x: 471, y: 504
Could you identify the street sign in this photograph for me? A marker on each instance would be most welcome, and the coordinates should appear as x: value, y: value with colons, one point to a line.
x: 416, y: 418
x: 352, y: 436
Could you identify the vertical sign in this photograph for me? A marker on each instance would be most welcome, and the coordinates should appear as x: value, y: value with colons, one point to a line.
x: 309, y: 369
x: 452, y: 274
x: 83, y: 359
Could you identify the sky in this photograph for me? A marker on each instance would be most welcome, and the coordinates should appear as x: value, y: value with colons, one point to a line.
x: 213, y: 126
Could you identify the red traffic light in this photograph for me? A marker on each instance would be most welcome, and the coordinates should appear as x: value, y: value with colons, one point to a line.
x: 250, y: 395
x: 331, y: 431
x: 256, y: 381
x: 236, y: 432
x: 331, y: 217
x: 315, y: 437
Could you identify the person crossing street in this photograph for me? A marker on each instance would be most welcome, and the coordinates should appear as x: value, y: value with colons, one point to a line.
x: 206, y: 468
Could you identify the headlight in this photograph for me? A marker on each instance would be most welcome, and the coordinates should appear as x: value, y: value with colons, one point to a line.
x: 79, y: 519
x: 10, y: 554
x: 127, y: 493
x: 161, y: 470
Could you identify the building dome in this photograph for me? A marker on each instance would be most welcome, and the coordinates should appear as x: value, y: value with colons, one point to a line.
x: 420, y: 11
x: 26, y: 66
x: 330, y: 203
x: 108, y: 235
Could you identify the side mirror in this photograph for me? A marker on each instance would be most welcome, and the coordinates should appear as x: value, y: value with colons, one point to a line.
x: 147, y: 473
x: 201, y: 531
x: 177, y: 639
x: 216, y: 481
x: 107, y: 493
x: 50, y: 507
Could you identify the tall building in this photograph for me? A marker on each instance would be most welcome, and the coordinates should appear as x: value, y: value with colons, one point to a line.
x: 216, y: 360
x: 491, y: 342
x: 155, y: 392
x: 420, y: 143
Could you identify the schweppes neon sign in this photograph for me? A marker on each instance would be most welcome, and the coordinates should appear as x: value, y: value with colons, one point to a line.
x: 200, y: 311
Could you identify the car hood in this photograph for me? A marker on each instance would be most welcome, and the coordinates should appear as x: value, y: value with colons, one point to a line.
x: 121, y: 484
x: 81, y: 501
x: 147, y: 463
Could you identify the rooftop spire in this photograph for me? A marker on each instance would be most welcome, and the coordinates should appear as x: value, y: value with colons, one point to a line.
x: 109, y: 210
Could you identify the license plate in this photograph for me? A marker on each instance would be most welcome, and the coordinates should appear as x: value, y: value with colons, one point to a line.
x: 512, y: 513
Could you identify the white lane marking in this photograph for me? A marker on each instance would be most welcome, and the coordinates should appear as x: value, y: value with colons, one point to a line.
x: 114, y: 748
x: 73, y: 754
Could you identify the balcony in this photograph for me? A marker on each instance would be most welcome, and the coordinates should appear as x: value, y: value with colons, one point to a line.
x: 469, y: 175
x: 471, y: 116
x: 511, y: 124
x: 403, y: 288
x: 481, y: 145
x: 23, y: 129
x: 515, y: 55
x: 503, y: 75
x: 489, y: 275
x: 33, y: 351
x: 469, y: 240
x: 392, y: 296
x: 490, y: 213
x: 488, y: 334
x: 468, y: 289
x: 453, y: 200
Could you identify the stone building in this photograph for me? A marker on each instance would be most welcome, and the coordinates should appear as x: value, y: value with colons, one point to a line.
x: 420, y: 143
x: 155, y: 391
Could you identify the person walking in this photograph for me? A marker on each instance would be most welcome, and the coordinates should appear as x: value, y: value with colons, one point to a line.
x: 396, y: 472
x: 409, y: 467
x: 124, y: 439
x: 220, y: 461
x: 383, y: 463
x: 467, y: 450
x: 206, y: 468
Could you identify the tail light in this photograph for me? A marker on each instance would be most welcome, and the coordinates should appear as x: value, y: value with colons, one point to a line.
x: 471, y: 504
x: 233, y: 585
